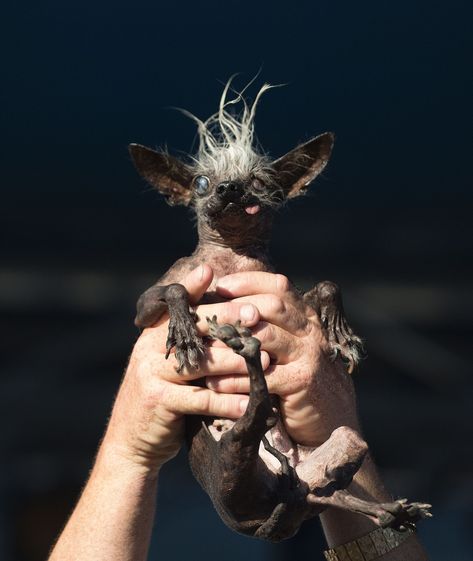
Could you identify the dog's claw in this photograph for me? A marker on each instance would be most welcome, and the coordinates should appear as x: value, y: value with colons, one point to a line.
x: 188, y: 344
x: 401, y: 513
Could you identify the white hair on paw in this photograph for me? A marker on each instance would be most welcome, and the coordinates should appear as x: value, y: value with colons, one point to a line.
x: 227, y: 147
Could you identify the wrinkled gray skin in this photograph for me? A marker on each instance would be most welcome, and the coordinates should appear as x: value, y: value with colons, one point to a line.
x: 235, y: 461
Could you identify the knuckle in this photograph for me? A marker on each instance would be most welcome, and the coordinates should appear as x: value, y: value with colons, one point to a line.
x: 228, y: 385
x: 276, y: 305
x: 245, y: 279
x: 157, y: 393
x: 219, y: 386
x: 266, y: 333
x: 218, y: 404
x: 282, y: 283
x: 239, y: 385
x: 203, y: 400
x: 222, y: 404
x: 230, y: 312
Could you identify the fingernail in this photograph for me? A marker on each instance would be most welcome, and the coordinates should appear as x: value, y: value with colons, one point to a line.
x: 244, y: 404
x: 201, y: 272
x: 247, y: 312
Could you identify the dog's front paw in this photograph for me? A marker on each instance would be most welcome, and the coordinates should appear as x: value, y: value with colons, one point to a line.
x: 187, y: 342
x: 343, y: 341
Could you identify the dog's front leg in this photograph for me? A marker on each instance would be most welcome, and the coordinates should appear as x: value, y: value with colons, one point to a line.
x: 182, y: 335
x: 326, y: 299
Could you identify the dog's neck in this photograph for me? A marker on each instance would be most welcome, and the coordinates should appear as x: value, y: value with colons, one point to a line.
x: 250, y: 240
x: 225, y: 260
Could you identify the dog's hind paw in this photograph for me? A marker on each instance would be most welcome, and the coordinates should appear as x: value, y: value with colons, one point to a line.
x: 234, y: 336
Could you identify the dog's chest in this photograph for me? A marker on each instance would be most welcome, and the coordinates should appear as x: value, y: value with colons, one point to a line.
x: 226, y: 262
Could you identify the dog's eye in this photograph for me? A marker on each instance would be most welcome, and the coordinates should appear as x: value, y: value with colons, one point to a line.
x: 201, y: 184
x: 257, y: 184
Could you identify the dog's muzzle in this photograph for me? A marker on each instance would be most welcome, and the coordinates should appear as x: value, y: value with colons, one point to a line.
x: 230, y: 191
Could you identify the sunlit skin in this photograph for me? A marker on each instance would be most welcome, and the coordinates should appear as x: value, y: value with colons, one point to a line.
x: 234, y: 199
x: 109, y: 523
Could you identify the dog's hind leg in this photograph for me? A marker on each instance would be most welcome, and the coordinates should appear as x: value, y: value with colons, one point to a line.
x: 244, y: 469
x: 286, y: 470
x: 397, y: 514
x: 259, y: 415
x: 329, y: 469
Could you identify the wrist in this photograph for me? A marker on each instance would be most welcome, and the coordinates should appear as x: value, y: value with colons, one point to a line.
x: 143, y: 434
x: 367, y: 482
x: 112, y: 457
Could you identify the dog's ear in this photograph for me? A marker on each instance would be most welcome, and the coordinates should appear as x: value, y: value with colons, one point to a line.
x: 167, y: 174
x: 302, y: 165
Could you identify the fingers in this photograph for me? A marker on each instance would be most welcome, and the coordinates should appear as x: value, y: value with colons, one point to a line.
x: 227, y: 312
x: 278, y: 311
x: 255, y: 282
x: 234, y: 384
x: 282, y: 346
x: 276, y: 380
x: 193, y: 400
x: 215, y: 362
x: 271, y: 293
x: 197, y: 282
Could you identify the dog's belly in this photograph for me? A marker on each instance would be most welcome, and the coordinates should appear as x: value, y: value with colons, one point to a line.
x: 277, y: 437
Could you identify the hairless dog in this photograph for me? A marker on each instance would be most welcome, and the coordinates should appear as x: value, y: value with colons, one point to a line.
x: 235, y: 189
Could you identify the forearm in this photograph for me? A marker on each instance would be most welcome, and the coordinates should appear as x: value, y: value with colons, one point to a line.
x: 114, y: 516
x: 341, y: 526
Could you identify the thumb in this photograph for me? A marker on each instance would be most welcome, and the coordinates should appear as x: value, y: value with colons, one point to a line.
x: 197, y: 282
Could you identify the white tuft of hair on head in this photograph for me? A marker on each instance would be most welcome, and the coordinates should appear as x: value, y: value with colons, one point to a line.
x: 227, y: 147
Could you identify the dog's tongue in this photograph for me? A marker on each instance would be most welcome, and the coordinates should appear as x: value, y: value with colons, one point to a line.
x: 252, y: 209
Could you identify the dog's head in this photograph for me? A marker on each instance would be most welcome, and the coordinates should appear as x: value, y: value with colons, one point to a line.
x: 233, y: 187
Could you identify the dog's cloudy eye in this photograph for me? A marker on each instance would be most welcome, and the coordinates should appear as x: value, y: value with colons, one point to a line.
x: 257, y: 184
x: 201, y: 184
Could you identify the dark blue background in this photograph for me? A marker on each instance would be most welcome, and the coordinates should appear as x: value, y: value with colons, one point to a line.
x: 82, y: 236
x: 393, y: 81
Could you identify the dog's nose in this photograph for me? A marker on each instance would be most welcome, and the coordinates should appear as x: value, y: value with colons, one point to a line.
x: 231, y: 190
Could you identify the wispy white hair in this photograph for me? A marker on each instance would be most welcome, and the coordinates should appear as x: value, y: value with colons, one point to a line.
x: 227, y: 144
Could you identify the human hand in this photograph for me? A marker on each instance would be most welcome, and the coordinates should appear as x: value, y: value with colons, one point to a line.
x: 316, y: 394
x: 147, y: 423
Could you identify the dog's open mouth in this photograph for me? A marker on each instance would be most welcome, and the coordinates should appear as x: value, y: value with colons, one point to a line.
x: 249, y: 207
x: 252, y: 209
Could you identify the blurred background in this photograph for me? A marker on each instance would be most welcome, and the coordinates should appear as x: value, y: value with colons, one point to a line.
x: 82, y: 236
